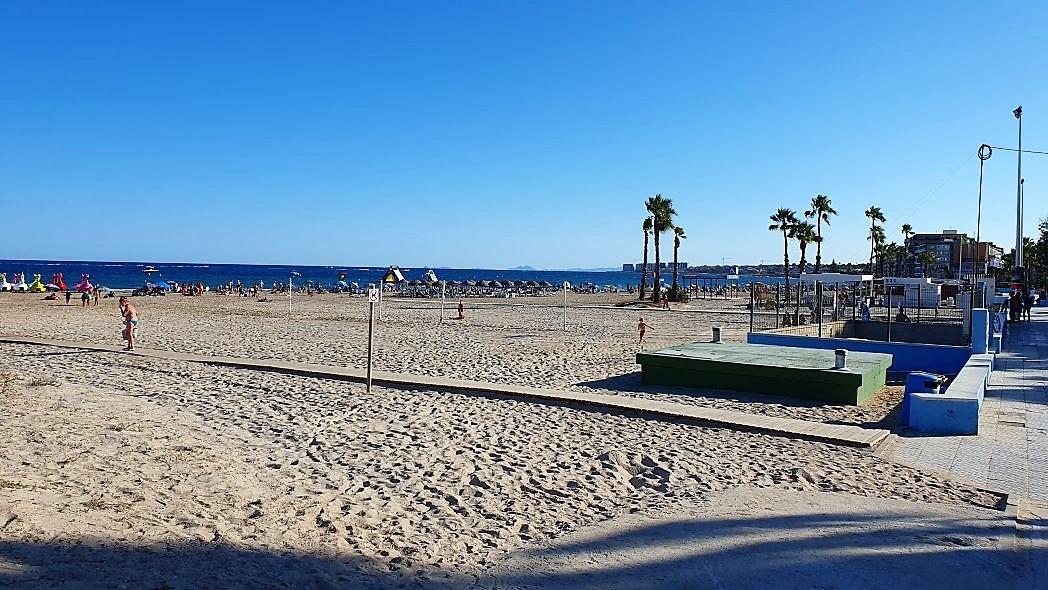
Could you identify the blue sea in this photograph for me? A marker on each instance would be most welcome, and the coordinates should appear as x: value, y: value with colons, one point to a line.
x: 130, y: 275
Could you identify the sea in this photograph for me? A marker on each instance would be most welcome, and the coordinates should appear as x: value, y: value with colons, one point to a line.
x: 131, y: 275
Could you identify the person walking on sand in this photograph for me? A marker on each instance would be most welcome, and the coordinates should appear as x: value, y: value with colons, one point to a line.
x: 642, y: 328
x: 461, y: 309
x: 130, y: 321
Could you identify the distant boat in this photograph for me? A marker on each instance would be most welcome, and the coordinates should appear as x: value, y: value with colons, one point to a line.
x: 149, y: 270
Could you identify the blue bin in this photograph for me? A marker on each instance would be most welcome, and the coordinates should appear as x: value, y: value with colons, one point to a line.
x: 918, y: 382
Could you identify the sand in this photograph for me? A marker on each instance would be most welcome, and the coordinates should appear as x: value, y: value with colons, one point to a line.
x: 201, y: 476
x: 515, y: 341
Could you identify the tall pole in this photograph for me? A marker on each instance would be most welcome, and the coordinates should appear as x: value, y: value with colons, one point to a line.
x: 443, y: 293
x: 371, y: 340
x: 289, y: 296
x: 564, y: 319
x: 1018, y: 112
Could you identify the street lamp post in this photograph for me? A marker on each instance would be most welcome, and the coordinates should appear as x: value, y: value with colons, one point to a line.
x: 1019, y: 273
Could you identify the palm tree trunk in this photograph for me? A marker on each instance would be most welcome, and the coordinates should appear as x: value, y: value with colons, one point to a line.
x: 873, y: 244
x: 657, y: 286
x: 818, y: 244
x: 785, y: 272
x: 644, y: 267
x: 676, y: 246
x: 797, y: 313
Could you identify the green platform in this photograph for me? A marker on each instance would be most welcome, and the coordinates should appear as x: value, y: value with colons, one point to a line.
x: 780, y: 370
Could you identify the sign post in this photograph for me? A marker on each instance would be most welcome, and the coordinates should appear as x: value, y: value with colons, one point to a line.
x: 565, y: 314
x: 373, y: 295
x: 443, y: 294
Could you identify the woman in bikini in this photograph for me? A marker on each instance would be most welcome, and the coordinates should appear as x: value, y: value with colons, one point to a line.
x: 130, y: 321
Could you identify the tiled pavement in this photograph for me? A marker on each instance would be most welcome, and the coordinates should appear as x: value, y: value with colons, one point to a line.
x: 1010, y: 453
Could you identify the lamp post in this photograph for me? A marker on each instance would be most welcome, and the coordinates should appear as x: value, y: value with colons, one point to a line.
x: 1019, y: 272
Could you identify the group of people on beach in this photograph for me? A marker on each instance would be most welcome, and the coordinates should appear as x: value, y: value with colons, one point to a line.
x: 87, y: 298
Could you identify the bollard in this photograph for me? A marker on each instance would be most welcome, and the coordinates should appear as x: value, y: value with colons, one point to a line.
x: 716, y: 333
x: 840, y: 359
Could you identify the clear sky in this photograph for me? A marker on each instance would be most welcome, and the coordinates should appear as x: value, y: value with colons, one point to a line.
x: 504, y: 133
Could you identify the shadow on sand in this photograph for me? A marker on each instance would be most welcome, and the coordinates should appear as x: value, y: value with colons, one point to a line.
x: 90, y: 564
x: 852, y: 550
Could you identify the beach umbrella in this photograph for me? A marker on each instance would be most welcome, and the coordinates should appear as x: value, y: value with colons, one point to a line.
x: 471, y: 283
x: 532, y: 284
x: 416, y: 283
x: 159, y: 285
x: 520, y: 283
x: 546, y: 284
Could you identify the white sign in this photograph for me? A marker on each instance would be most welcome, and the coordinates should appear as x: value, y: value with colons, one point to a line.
x: 372, y: 295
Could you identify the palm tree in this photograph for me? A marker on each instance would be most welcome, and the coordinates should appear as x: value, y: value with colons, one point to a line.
x: 877, y: 239
x: 821, y: 209
x: 784, y: 220
x: 926, y: 259
x: 678, y: 235
x: 804, y: 233
x: 662, y: 213
x: 875, y: 215
x: 647, y: 225
x: 907, y: 231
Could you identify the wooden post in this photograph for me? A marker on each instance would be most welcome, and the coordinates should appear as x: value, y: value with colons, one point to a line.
x: 371, y: 339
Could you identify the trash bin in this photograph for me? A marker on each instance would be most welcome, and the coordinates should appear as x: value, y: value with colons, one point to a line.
x: 918, y: 382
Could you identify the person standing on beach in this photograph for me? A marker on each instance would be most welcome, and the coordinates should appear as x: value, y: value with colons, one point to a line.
x: 69, y: 295
x: 461, y: 309
x: 130, y: 321
x: 642, y: 327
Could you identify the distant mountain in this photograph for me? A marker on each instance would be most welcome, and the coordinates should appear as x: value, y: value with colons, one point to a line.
x: 523, y: 268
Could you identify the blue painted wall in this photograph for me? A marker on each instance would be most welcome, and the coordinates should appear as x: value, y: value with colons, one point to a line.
x: 906, y: 357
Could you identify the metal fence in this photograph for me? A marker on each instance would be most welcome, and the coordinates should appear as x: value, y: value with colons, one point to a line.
x: 801, y: 304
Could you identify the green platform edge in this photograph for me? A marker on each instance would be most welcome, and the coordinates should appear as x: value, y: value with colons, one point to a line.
x: 849, y: 387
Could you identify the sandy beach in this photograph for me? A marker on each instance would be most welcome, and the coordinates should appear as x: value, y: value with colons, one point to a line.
x: 273, y: 480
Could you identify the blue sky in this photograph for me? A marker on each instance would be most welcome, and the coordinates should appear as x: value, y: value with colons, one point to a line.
x: 497, y: 134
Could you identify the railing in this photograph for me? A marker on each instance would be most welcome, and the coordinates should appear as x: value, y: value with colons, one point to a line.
x: 815, y: 309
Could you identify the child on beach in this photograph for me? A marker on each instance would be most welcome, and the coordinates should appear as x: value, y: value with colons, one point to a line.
x: 130, y: 321
x: 642, y: 327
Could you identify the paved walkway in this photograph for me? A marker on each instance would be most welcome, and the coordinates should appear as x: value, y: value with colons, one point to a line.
x: 831, y: 433
x: 1010, y: 453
